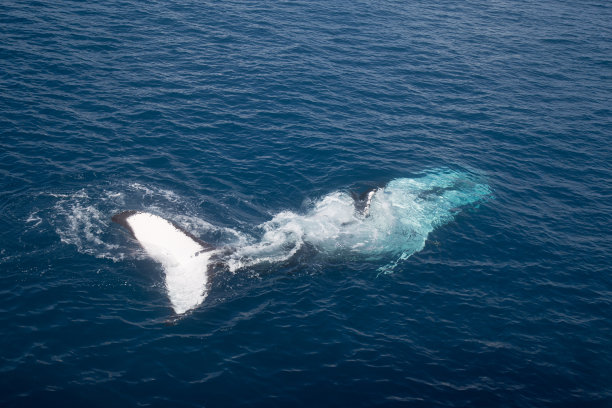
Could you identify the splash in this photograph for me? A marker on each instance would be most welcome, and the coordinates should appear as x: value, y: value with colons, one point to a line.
x: 394, y: 223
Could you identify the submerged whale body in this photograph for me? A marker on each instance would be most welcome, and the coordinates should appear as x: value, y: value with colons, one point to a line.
x: 184, y: 258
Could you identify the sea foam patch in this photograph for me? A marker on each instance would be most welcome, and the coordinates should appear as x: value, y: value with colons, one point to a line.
x: 394, y: 223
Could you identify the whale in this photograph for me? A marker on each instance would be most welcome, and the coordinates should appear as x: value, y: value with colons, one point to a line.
x: 185, y: 259
x: 390, y: 220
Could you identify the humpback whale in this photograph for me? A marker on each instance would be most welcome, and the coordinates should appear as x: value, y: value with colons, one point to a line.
x: 391, y: 220
x: 184, y: 257
x: 378, y: 222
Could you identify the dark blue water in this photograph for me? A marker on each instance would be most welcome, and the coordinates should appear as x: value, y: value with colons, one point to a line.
x: 483, y: 280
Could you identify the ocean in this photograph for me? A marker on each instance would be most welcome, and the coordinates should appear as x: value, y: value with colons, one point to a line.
x: 411, y: 203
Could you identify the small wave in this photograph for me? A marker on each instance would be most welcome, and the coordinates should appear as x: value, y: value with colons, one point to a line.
x: 34, y: 218
x: 168, y: 195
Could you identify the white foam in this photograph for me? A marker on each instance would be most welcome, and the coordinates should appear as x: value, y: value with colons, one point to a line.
x: 82, y: 217
x: 33, y: 217
x: 84, y: 227
x: 183, y: 259
x: 155, y: 192
x: 395, y: 221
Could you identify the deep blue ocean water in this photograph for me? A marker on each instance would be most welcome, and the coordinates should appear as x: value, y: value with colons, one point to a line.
x: 485, y: 281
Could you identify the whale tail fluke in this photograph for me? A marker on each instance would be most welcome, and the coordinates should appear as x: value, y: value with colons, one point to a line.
x: 184, y: 257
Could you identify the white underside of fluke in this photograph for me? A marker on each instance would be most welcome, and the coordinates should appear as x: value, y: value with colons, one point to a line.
x: 184, y: 260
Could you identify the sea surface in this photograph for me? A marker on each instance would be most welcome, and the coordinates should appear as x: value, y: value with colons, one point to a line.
x: 477, y: 273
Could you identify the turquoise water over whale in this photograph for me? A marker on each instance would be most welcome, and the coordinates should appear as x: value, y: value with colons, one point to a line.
x: 476, y: 273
